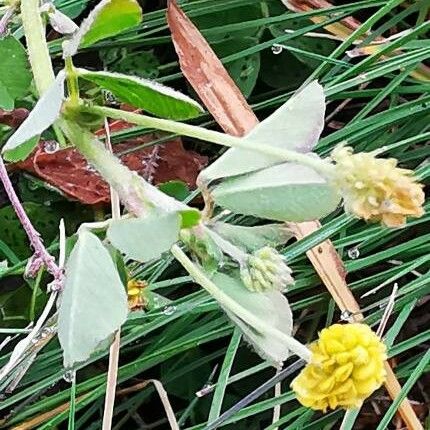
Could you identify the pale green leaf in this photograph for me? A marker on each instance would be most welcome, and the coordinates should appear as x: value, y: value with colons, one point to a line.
x: 43, y: 115
x: 143, y: 239
x: 108, y: 18
x: 145, y: 94
x: 270, y: 307
x: 285, y: 192
x: 93, y: 304
x: 15, y: 74
x: 254, y: 238
x: 296, y: 125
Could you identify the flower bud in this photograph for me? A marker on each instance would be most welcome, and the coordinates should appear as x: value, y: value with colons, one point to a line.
x: 266, y: 270
x: 346, y: 367
x: 375, y: 189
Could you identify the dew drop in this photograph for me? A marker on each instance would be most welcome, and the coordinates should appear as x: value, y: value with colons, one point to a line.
x: 51, y: 146
x: 169, y: 310
x: 69, y: 376
x: 90, y: 168
x: 346, y: 316
x: 353, y: 253
x: 277, y: 49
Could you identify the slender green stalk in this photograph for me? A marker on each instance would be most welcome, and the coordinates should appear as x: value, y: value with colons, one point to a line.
x: 189, y: 130
x: 200, y: 277
x: 37, y: 47
x: 72, y: 81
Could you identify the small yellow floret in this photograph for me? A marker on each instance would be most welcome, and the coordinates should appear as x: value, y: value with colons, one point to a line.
x: 347, y: 366
x: 375, y: 189
x: 135, y: 294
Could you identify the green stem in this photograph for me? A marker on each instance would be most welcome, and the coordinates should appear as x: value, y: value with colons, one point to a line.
x: 72, y: 81
x: 201, y: 278
x: 37, y: 47
x: 189, y: 130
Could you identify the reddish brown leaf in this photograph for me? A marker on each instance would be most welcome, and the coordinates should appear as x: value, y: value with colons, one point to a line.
x: 67, y: 169
x: 13, y: 118
x: 218, y: 92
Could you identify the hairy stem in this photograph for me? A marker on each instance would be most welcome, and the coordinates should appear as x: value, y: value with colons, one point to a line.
x: 32, y: 233
x: 37, y: 47
x: 137, y: 195
x: 200, y: 277
x: 189, y: 130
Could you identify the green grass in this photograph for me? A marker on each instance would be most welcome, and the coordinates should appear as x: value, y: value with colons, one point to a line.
x: 182, y: 348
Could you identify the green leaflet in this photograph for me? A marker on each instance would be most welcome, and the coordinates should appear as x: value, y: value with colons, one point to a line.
x: 108, y: 18
x: 144, y: 239
x: 145, y: 94
x: 253, y: 238
x: 296, y: 125
x: 44, y: 114
x: 15, y: 74
x: 271, y: 307
x: 285, y: 192
x: 93, y: 304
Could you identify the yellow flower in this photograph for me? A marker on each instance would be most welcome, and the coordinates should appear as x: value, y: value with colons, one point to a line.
x: 135, y: 294
x: 375, y: 189
x: 346, y: 367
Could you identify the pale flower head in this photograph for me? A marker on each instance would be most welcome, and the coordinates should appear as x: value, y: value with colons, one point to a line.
x: 375, y: 189
x: 266, y: 270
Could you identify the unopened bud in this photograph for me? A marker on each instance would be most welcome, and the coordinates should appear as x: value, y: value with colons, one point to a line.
x: 266, y: 270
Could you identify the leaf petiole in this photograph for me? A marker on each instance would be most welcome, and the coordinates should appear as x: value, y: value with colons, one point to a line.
x: 200, y: 277
x: 323, y: 167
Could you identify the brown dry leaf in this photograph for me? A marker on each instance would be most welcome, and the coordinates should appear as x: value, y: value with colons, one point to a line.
x: 207, y: 75
x: 201, y: 67
x: 13, y: 118
x: 68, y: 171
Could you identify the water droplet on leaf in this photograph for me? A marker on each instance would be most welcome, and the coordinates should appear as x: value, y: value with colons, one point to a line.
x: 69, y: 376
x: 353, y: 253
x: 51, y: 146
x: 169, y: 310
x: 277, y: 49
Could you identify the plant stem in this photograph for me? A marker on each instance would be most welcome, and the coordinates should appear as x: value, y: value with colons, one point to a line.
x: 112, y: 375
x: 37, y: 47
x: 32, y: 233
x: 72, y: 81
x: 189, y: 130
x: 137, y: 195
x: 259, y: 325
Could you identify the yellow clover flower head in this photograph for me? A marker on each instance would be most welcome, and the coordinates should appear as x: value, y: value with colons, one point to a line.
x: 375, y: 189
x: 346, y: 367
